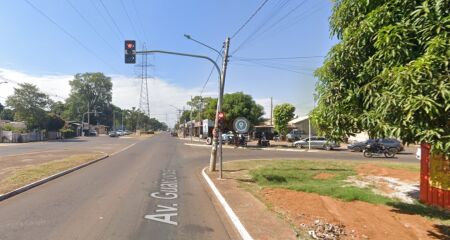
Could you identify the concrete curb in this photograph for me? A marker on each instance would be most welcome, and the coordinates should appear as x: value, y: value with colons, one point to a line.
x: 48, y: 179
x: 254, y: 149
x: 233, y: 217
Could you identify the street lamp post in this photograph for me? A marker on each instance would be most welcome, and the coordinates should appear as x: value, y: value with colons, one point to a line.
x: 217, y: 136
x: 222, y: 74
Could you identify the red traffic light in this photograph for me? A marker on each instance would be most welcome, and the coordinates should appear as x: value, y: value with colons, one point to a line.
x: 130, y: 45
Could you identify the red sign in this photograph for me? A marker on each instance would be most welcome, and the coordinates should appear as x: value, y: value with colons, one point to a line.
x: 221, y: 115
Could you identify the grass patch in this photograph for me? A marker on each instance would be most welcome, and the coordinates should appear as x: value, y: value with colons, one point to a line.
x: 29, y: 174
x: 300, y: 176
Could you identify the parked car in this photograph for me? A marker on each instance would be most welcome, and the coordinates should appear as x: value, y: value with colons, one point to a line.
x: 120, y: 132
x: 113, y: 134
x: 92, y: 132
x: 316, y: 142
x: 295, y: 135
x: 389, y: 143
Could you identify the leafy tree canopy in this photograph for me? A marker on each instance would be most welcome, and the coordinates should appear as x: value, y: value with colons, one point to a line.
x: 389, y: 74
x: 29, y: 105
x: 93, y: 89
x: 237, y: 105
x: 282, y: 114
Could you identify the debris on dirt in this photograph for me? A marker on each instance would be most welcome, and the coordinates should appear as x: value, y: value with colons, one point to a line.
x: 387, y: 186
x: 326, y: 231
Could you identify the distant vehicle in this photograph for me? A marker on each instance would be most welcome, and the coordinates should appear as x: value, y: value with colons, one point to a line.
x: 113, y: 134
x: 295, y: 135
x: 389, y: 143
x: 228, y: 137
x: 174, y: 134
x: 120, y: 132
x: 378, y: 149
x: 316, y: 142
x: 92, y: 132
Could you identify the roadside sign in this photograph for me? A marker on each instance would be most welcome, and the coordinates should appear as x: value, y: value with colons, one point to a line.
x: 241, y: 125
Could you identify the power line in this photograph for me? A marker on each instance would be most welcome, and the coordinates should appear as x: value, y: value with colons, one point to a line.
x: 89, y: 23
x: 18, y: 83
x: 105, y: 20
x: 129, y: 19
x: 250, y: 18
x: 112, y: 19
x: 277, y: 58
x: 275, y: 12
x: 139, y: 20
x: 68, y: 34
x: 209, y: 77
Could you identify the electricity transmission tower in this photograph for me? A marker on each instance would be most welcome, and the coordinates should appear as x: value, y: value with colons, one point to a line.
x: 144, y: 102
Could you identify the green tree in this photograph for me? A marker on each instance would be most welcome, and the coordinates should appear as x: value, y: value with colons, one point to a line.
x: 236, y: 105
x: 282, y: 114
x: 389, y: 74
x: 93, y: 90
x: 1, y: 107
x: 57, y: 108
x: 7, y: 114
x: 29, y: 105
x: 54, y: 122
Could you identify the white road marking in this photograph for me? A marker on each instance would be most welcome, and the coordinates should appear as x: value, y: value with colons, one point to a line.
x: 168, y: 190
x: 129, y: 146
x: 234, y: 218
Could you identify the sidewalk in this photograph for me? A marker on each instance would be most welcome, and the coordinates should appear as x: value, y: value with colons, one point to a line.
x: 257, y: 219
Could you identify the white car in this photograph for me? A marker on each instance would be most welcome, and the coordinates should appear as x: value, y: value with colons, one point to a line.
x: 316, y: 142
x: 418, y: 154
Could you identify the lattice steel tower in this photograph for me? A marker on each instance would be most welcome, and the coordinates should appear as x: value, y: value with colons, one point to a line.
x: 144, y: 102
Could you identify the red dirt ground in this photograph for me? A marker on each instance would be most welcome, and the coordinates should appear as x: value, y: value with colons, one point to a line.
x: 375, y: 170
x: 362, y: 220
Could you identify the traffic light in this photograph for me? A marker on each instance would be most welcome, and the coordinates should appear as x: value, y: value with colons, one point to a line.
x: 130, y: 51
x: 221, y: 116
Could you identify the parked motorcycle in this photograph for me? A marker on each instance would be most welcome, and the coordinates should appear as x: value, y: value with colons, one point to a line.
x: 242, y: 142
x: 372, y: 150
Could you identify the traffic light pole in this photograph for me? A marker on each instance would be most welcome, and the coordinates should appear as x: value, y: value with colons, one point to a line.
x: 213, y: 158
x: 218, y: 131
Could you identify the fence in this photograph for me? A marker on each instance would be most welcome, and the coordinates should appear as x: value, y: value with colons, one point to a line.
x: 434, y: 178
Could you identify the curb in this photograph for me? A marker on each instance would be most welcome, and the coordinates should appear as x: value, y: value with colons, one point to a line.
x: 233, y: 217
x: 47, y: 179
x: 253, y: 149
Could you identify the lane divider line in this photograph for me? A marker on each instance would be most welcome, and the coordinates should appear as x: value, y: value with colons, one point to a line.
x: 233, y: 217
x: 123, y: 149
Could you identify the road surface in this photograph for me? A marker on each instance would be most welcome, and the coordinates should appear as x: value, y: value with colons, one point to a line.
x: 152, y: 190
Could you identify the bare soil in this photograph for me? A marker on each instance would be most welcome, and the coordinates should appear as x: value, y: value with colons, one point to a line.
x: 324, y: 176
x: 361, y: 220
x: 376, y: 170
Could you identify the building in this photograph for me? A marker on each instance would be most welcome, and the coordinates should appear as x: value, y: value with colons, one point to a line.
x: 302, y: 124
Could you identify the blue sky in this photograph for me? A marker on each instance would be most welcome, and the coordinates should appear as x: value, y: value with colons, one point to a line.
x: 35, y: 49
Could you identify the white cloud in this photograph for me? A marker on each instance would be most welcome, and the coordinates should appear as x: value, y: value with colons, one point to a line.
x: 126, y: 91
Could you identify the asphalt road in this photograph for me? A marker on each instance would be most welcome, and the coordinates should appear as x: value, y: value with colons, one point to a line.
x: 110, y: 199
x: 103, y: 143
x: 152, y: 190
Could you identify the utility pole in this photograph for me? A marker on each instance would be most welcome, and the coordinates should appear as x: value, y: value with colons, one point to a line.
x: 217, y: 131
x: 89, y: 120
x: 114, y: 120
x: 271, y: 111
x: 190, y: 125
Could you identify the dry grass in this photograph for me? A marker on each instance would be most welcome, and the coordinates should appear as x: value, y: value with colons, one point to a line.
x: 31, y: 173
